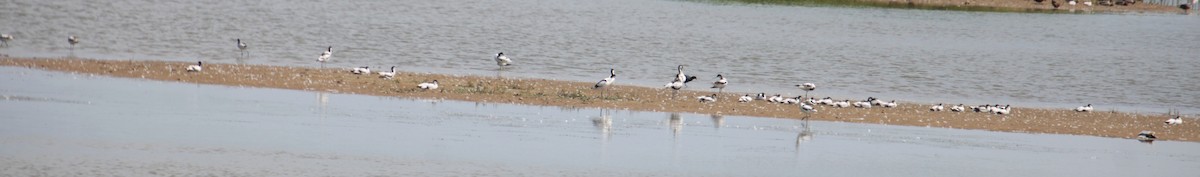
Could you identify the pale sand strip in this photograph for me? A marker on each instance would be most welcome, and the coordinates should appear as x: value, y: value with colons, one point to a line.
x: 580, y: 94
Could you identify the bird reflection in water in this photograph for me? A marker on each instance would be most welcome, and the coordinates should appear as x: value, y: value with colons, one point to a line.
x: 805, y: 135
x: 718, y: 121
x: 604, y: 124
x: 322, y: 101
x: 676, y: 123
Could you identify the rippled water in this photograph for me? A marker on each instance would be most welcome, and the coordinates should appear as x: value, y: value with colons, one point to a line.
x: 1138, y: 62
x: 128, y: 127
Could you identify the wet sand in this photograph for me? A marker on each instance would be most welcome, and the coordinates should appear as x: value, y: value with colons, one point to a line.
x: 1102, y: 123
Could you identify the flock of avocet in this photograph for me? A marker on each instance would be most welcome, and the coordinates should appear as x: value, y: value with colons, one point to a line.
x: 678, y: 82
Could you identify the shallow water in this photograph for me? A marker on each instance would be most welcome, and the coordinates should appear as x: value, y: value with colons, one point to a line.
x: 1128, y: 62
x: 99, y: 126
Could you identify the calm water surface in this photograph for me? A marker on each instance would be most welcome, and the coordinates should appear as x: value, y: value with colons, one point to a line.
x: 1129, y: 62
x: 59, y: 124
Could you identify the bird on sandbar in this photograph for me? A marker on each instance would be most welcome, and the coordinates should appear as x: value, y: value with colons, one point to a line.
x: 325, y: 56
x: 196, y: 68
x: 428, y: 85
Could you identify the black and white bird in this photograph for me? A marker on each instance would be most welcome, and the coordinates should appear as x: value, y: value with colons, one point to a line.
x: 791, y: 100
x: 242, y: 47
x: 612, y: 77
x: 1003, y: 110
x: 875, y: 101
x: 720, y: 83
x: 72, y: 40
x: 842, y: 104
x: 196, y: 68
x: 745, y: 98
x: 674, y: 86
x: 775, y: 99
x: 325, y: 56
x: 502, y: 60
x: 388, y: 74
x: 761, y: 96
x: 807, y: 87
x: 804, y: 107
x: 825, y: 101
x: 5, y: 38
x: 889, y: 104
x: 936, y: 108
x: 862, y: 104
x: 679, y: 74
x: 1174, y: 121
x: 428, y: 85
x: 958, y: 108
x: 361, y: 70
x: 707, y: 98
x: 1146, y: 136
x: 1087, y: 108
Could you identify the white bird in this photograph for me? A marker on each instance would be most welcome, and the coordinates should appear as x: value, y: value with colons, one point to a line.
x: 889, y: 104
x: 875, y: 101
x: 5, y: 38
x: 806, y: 108
x: 361, y: 70
x: 72, y: 40
x: 388, y: 74
x: 826, y: 101
x: 862, y: 104
x: 761, y: 96
x: 428, y: 85
x: 958, y: 108
x: 241, y: 46
x: 936, y: 108
x: 1174, y: 121
x: 807, y: 86
x: 1088, y: 3
x: 679, y: 74
x: 981, y: 108
x: 711, y: 98
x: 612, y: 77
x: 675, y: 85
x: 842, y: 104
x: 196, y: 68
x: 720, y: 83
x: 1087, y: 108
x: 775, y: 99
x: 745, y: 98
x: 502, y: 60
x: 1002, y: 110
x: 994, y: 108
x: 791, y: 100
x: 325, y: 56
x: 1071, y: 2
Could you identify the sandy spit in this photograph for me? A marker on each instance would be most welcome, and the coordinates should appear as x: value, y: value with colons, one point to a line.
x: 579, y: 94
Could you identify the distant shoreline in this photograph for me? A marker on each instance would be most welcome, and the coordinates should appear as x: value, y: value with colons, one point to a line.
x: 985, y: 5
x: 580, y: 94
